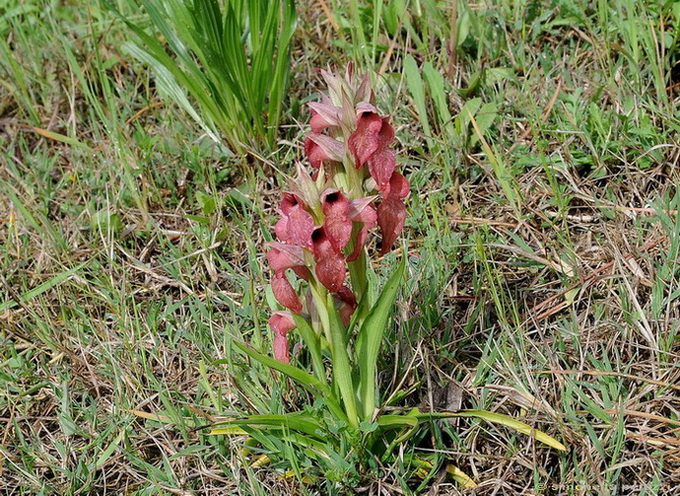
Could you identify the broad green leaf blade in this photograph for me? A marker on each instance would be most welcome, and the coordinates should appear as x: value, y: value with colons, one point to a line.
x: 311, y: 340
x: 397, y: 421
x: 370, y: 337
x: 305, y: 379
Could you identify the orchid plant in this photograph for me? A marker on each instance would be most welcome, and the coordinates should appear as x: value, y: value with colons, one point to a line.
x: 321, y: 277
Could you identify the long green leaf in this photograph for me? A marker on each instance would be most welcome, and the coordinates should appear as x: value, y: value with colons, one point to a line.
x: 306, y: 380
x: 397, y: 421
x: 294, y: 421
x: 342, y: 370
x: 370, y: 337
x: 311, y: 340
x: 498, y: 418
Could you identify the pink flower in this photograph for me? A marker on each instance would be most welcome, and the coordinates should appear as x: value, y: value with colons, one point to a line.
x: 330, y: 264
x: 282, y: 257
x: 398, y: 187
x: 391, y: 218
x: 285, y: 293
x: 381, y: 166
x: 321, y: 148
x: 281, y: 323
x: 297, y: 224
x: 324, y: 115
x: 337, y: 224
x: 364, y: 213
x: 373, y: 133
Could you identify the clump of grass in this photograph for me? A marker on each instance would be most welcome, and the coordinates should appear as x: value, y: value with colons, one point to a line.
x: 228, y: 64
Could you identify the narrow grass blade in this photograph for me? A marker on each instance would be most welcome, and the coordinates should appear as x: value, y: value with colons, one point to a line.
x: 42, y: 288
x: 230, y: 430
x: 59, y: 137
x: 460, y: 477
x: 415, y: 85
x: 294, y: 421
x: 502, y: 173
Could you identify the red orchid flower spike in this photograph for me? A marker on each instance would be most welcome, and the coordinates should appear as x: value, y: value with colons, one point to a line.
x: 326, y: 218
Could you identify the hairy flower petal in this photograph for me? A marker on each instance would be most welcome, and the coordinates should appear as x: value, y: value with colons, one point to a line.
x: 391, y: 218
x: 373, y: 134
x: 281, y: 229
x: 365, y: 140
x: 281, y: 348
x: 368, y: 218
x: 347, y: 303
x: 300, y: 227
x: 381, y: 166
x: 330, y: 264
x: 324, y: 115
x: 331, y: 272
x: 285, y: 294
x: 398, y: 187
x: 337, y: 224
x: 291, y: 201
x: 321, y: 148
x: 364, y: 106
x: 339, y: 230
x: 281, y: 322
x: 334, y: 202
x: 282, y: 256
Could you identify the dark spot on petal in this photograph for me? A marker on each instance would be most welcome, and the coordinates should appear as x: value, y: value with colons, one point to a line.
x: 318, y: 235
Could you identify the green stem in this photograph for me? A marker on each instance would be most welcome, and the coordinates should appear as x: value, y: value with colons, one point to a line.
x: 313, y: 344
x: 319, y: 294
x: 357, y: 274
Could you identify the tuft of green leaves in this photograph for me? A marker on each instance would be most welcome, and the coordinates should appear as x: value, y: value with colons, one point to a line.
x: 345, y: 433
x: 227, y: 67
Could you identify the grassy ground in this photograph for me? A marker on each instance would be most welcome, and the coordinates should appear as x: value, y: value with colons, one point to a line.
x: 543, y: 243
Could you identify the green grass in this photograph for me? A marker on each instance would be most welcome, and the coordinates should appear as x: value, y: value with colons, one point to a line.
x: 543, y: 243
